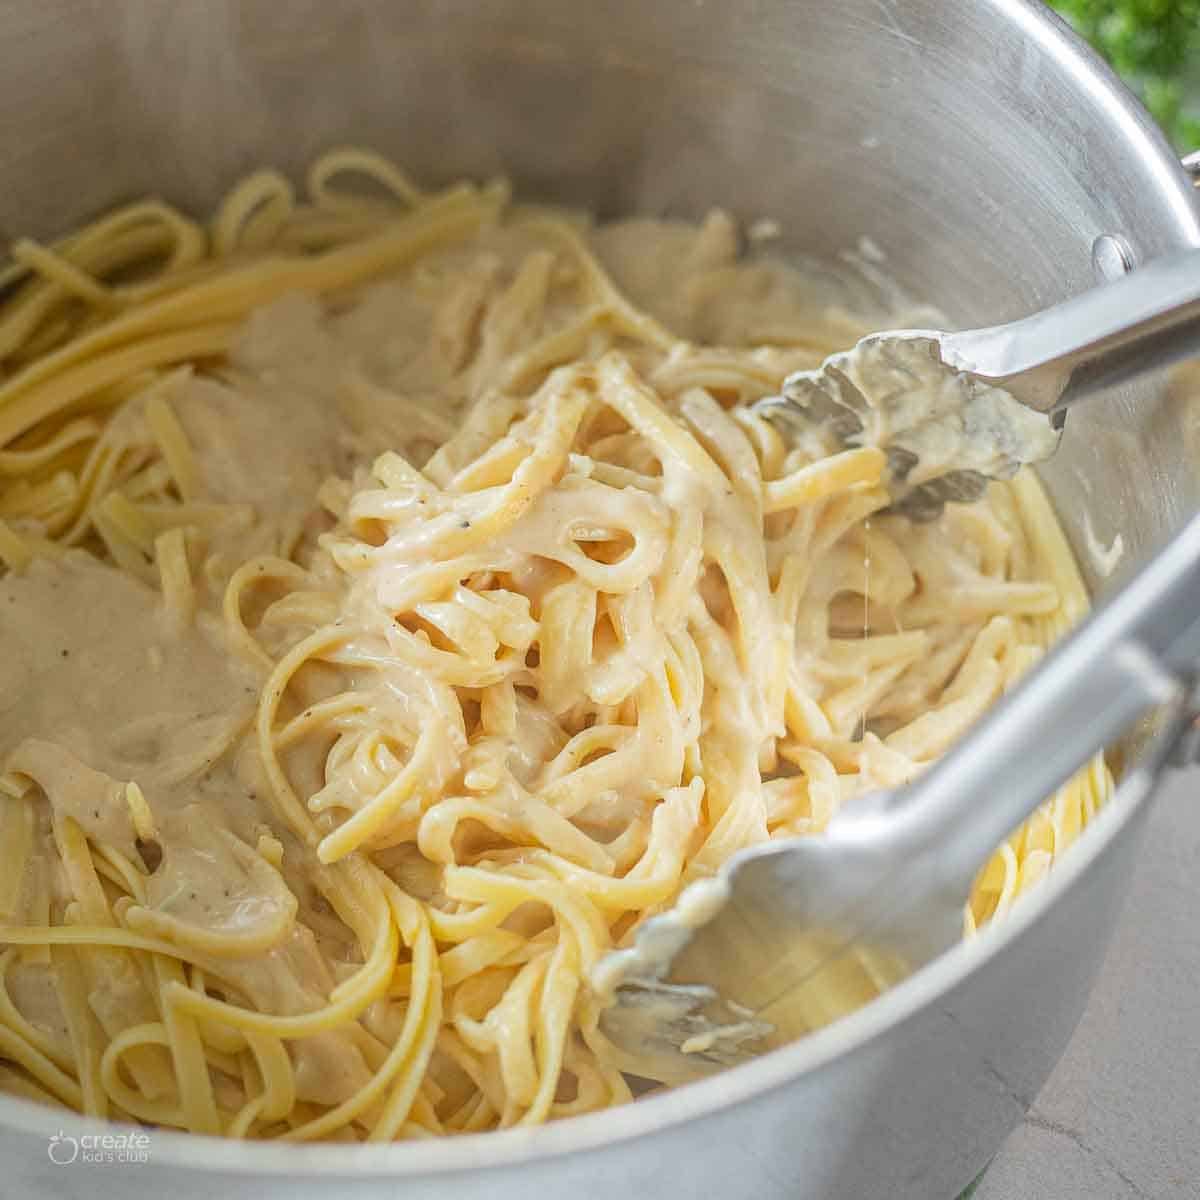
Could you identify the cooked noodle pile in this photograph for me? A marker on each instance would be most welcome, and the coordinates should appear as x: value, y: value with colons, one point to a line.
x: 400, y: 604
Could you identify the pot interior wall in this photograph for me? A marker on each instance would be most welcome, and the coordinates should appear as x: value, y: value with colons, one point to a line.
x: 967, y: 142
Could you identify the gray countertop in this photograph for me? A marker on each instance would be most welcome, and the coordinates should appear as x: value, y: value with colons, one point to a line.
x: 1120, y: 1116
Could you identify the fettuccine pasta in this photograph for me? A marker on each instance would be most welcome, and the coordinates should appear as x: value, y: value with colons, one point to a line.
x: 400, y: 603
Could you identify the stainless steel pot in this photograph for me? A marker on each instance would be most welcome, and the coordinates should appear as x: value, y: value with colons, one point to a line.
x: 978, y: 144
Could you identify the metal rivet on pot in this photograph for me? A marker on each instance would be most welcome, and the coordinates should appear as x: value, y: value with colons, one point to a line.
x: 1112, y: 257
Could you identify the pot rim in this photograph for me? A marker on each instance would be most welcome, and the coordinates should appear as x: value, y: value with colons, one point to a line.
x: 610, y: 1127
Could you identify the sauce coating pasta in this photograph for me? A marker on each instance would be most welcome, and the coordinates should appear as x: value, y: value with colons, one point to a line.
x: 400, y: 603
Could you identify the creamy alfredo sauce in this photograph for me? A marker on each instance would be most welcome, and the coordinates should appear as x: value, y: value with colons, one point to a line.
x: 100, y: 689
x: 414, y: 770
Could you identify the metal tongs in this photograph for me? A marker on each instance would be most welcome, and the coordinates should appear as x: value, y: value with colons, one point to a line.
x: 789, y: 935
x: 993, y: 399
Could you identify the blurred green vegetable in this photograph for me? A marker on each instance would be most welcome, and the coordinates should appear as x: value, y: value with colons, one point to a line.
x: 1155, y: 46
